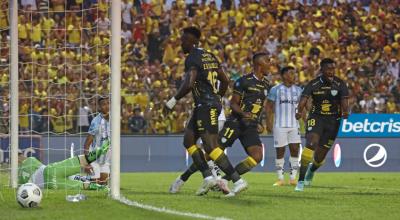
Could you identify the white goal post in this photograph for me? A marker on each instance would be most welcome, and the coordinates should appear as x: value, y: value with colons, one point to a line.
x: 115, y: 118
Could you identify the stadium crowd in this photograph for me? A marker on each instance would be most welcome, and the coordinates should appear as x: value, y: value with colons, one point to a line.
x: 64, y: 54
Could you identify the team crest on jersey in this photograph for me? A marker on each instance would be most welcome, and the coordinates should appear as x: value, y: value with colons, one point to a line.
x: 334, y: 92
x: 223, y: 140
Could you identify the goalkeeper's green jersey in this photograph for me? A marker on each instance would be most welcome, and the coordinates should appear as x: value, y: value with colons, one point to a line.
x: 27, y: 168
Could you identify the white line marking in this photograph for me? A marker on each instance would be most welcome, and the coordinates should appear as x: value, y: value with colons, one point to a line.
x: 126, y: 201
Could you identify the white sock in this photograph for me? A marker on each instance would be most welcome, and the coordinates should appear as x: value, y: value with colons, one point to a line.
x: 294, y: 167
x: 211, y: 163
x: 279, y: 167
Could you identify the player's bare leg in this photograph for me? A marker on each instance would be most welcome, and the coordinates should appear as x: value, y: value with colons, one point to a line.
x: 294, y: 162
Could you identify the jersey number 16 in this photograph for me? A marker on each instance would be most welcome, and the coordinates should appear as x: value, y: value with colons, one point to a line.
x: 213, y: 78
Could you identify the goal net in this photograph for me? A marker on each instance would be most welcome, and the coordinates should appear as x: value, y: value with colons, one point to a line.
x: 64, y: 67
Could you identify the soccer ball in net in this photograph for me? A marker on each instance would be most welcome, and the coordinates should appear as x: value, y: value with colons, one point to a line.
x: 29, y: 195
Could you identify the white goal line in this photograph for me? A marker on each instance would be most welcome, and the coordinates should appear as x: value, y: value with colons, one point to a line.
x: 126, y: 201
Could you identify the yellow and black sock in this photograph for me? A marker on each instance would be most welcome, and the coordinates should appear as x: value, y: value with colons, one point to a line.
x: 244, y: 166
x: 192, y: 169
x: 218, y: 156
x: 199, y: 160
x: 315, y: 165
x: 306, y: 158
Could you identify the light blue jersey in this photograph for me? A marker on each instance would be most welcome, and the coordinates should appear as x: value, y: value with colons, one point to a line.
x: 285, y: 100
x: 100, y: 129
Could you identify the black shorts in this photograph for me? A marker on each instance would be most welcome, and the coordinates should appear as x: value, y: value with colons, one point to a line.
x: 325, y: 126
x: 204, y: 118
x: 233, y: 130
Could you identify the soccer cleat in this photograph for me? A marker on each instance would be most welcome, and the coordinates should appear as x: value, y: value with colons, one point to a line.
x: 239, y: 186
x: 299, y: 186
x: 208, y: 183
x: 293, y: 182
x: 309, y: 177
x: 176, y: 185
x: 223, y: 186
x: 279, y: 183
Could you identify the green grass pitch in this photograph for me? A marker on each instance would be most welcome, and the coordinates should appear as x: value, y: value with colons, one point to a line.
x: 332, y: 196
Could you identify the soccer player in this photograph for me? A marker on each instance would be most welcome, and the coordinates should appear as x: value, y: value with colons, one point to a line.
x: 202, y: 72
x: 57, y: 175
x: 99, y: 131
x: 283, y: 98
x: 246, y: 104
x: 329, y: 104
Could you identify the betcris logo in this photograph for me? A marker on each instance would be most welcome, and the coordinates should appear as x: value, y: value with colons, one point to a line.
x: 371, y: 125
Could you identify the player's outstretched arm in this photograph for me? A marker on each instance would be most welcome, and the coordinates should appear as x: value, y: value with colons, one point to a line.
x: 224, y: 82
x: 185, y: 87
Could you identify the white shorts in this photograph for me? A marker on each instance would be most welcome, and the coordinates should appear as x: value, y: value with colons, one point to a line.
x: 286, y: 136
x: 99, y: 168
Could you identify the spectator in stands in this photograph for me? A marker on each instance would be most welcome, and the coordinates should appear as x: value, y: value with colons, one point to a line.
x: 127, y: 11
x: 137, y: 123
x: 394, y: 68
x: 29, y: 5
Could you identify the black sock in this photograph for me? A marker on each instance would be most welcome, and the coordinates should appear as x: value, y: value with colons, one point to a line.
x: 192, y: 169
x: 244, y: 166
x: 200, y: 163
x: 241, y: 168
x: 303, y: 171
x: 225, y: 165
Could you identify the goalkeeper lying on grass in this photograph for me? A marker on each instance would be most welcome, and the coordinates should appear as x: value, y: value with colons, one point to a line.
x: 56, y: 175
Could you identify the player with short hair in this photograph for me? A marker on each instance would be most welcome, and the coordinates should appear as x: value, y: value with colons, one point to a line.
x: 202, y: 72
x: 282, y: 100
x: 329, y: 104
x: 247, y: 103
x: 58, y: 175
x: 99, y: 131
